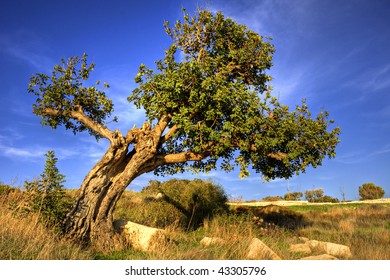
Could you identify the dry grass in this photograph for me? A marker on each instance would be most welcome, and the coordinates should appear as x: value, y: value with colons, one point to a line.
x: 365, y: 229
x: 25, y: 238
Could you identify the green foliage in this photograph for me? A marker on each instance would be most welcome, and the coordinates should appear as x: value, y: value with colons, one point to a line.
x: 212, y: 90
x: 63, y: 93
x: 46, y: 194
x: 219, y: 103
x: 370, y: 191
x: 293, y: 196
x: 160, y: 214
x: 196, y: 199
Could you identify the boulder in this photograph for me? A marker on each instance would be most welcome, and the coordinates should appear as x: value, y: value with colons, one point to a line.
x: 320, y: 257
x: 141, y: 237
x: 209, y: 241
x: 300, y: 248
x: 257, y: 250
x: 303, y: 239
x: 337, y: 250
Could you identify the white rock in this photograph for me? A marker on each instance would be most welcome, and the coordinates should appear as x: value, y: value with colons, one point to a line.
x: 300, y: 248
x: 208, y: 241
x: 257, y: 250
x: 320, y: 257
x: 337, y: 250
x: 141, y: 237
x: 303, y: 239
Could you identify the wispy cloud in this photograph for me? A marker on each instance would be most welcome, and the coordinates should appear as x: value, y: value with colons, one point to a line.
x: 22, y: 153
x: 357, y: 157
x: 26, y: 48
x: 380, y: 151
x: 35, y: 152
x: 371, y: 80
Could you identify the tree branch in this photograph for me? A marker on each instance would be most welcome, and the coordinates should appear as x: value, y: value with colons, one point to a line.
x: 180, y: 157
x: 79, y: 115
x: 275, y: 155
x: 168, y: 134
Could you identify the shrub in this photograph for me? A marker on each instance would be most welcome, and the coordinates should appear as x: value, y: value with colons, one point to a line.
x: 370, y: 191
x: 293, y: 196
x: 158, y: 214
x: 272, y: 198
x: 315, y: 195
x: 196, y: 199
x: 328, y: 198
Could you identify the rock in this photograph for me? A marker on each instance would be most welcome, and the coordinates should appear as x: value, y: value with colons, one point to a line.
x: 337, y: 250
x: 320, y: 257
x: 300, y: 248
x: 208, y: 241
x: 159, y: 196
x: 257, y: 250
x: 141, y: 237
x: 303, y: 239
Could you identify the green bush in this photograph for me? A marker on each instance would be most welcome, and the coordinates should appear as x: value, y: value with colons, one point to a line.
x: 160, y: 214
x: 196, y: 199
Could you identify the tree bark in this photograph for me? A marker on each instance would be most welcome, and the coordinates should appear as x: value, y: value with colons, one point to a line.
x: 91, y: 221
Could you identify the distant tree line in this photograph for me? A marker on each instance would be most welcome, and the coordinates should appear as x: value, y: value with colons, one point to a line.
x: 367, y: 191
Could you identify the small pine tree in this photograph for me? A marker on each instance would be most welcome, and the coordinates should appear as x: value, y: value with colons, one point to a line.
x: 46, y: 194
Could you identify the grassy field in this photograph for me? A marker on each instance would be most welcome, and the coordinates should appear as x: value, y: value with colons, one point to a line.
x: 365, y: 228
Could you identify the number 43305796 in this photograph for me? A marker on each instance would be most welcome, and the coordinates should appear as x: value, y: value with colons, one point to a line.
x: 245, y: 270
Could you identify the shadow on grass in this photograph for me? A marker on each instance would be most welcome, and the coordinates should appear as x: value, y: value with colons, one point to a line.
x: 273, y: 215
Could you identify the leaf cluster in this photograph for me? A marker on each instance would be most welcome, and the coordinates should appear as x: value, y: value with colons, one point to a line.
x: 213, y: 85
x: 64, y: 93
x: 209, y: 94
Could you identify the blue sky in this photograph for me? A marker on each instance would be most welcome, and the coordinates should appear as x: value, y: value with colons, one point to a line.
x: 336, y: 54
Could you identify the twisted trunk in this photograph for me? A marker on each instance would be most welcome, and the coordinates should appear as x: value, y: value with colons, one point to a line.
x: 91, y: 220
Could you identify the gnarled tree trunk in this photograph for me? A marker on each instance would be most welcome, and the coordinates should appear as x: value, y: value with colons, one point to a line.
x: 90, y: 221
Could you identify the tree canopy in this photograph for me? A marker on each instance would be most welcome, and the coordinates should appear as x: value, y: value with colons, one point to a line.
x: 370, y: 191
x: 210, y: 96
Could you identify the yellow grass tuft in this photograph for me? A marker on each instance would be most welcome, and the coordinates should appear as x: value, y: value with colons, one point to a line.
x: 25, y: 238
